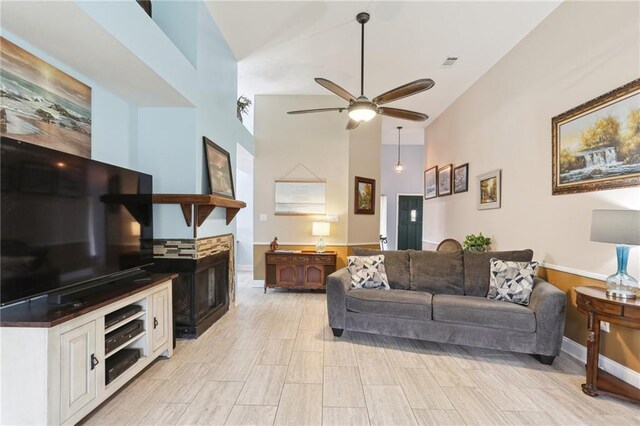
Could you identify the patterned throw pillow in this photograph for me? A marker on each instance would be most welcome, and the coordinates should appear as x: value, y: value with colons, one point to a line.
x: 511, y: 281
x: 367, y: 272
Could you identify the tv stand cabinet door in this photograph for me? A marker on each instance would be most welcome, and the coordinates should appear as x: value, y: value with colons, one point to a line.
x: 160, y: 321
x: 78, y: 369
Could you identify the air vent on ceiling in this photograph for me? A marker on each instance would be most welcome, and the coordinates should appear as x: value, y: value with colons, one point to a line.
x: 448, y: 63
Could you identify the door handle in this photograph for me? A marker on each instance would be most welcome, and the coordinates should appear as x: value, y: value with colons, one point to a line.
x: 94, y: 361
x: 155, y: 323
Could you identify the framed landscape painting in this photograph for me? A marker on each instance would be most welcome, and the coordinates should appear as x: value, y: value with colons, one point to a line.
x: 461, y: 178
x: 596, y: 145
x: 300, y: 198
x: 444, y: 180
x: 431, y: 183
x: 489, y: 190
x: 365, y: 196
x: 42, y: 105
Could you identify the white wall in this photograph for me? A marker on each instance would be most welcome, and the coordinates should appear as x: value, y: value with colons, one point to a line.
x: 582, y: 50
x: 407, y: 182
x: 244, y: 218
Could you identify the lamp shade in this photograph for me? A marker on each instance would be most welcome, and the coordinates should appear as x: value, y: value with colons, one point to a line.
x: 616, y: 226
x: 321, y: 229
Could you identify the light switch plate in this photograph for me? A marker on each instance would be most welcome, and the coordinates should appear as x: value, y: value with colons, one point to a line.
x: 604, y: 326
x: 263, y: 217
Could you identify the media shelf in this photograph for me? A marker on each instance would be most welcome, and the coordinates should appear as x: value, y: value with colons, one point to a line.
x: 125, y: 344
x: 84, y: 371
x: 125, y: 321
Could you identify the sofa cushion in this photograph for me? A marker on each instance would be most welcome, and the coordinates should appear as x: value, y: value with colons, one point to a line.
x: 483, y: 312
x: 396, y: 263
x: 477, y: 268
x: 437, y: 272
x: 390, y: 303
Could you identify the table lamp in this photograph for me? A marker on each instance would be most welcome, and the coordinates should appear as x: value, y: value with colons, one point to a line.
x: 620, y: 227
x: 320, y: 229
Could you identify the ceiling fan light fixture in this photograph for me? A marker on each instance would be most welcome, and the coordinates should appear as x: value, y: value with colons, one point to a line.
x: 362, y: 114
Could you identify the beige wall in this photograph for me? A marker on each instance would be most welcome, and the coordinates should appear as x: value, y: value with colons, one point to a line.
x: 321, y: 143
x: 318, y: 141
x: 503, y: 121
x: 582, y: 50
x: 364, y: 161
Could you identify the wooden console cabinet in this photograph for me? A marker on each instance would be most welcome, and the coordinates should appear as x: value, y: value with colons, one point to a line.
x: 303, y: 270
x: 53, y: 358
x: 593, y: 302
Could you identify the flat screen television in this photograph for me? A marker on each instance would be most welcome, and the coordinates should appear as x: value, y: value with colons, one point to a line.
x: 68, y: 221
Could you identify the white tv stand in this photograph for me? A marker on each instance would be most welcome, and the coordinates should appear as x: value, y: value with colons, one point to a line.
x: 52, y: 361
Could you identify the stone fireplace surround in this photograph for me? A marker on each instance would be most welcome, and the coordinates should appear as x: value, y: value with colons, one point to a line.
x: 178, y: 254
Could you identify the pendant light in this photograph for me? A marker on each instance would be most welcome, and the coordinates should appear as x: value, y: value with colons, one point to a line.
x: 399, y: 167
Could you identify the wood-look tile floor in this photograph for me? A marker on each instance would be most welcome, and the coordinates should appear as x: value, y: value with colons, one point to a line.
x: 273, y: 360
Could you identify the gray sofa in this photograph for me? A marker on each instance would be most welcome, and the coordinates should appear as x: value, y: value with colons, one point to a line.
x: 441, y: 297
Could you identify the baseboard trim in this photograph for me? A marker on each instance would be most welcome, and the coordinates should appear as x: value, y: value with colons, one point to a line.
x: 573, y: 271
x: 579, y: 352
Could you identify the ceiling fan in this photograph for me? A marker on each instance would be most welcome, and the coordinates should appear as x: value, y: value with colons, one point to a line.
x: 362, y: 109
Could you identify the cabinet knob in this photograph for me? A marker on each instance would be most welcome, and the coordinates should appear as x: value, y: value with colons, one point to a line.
x: 94, y: 361
x: 155, y: 323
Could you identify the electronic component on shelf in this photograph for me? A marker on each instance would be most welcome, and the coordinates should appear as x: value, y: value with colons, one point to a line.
x: 120, y: 362
x: 122, y: 335
x: 121, y: 314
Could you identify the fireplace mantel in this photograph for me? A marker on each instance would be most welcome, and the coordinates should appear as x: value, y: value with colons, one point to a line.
x: 200, y: 206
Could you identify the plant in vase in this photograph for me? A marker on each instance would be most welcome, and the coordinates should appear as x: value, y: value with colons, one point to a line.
x: 242, y: 106
x: 476, y: 242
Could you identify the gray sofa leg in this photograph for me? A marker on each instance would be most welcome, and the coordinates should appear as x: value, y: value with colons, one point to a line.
x: 546, y: 359
x: 337, y: 331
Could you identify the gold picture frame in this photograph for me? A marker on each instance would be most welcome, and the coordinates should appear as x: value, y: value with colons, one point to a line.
x: 596, y: 145
x: 489, y: 190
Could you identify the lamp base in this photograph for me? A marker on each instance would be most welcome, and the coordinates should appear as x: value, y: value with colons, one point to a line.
x: 320, y: 246
x: 621, y: 284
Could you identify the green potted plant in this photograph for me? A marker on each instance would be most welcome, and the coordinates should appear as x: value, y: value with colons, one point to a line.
x: 476, y: 242
x: 242, y: 106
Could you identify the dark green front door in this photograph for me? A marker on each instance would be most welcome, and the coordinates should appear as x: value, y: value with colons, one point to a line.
x: 410, y: 222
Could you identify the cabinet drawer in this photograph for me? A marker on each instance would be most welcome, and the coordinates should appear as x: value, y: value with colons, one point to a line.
x: 301, y: 259
x: 599, y: 306
x: 631, y: 313
x: 323, y: 260
x: 278, y: 258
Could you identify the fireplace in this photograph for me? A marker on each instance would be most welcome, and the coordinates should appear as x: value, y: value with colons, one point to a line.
x: 200, y: 293
x: 204, y: 288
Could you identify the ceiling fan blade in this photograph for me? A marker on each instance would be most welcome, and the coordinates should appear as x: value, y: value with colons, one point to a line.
x: 403, y: 113
x: 307, y: 111
x: 404, y: 91
x: 352, y: 124
x: 331, y: 86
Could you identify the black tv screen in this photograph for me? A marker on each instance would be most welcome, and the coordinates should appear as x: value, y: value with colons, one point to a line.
x: 67, y: 220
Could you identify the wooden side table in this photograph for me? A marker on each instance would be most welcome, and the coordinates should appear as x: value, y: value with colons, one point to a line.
x: 593, y: 302
x: 299, y: 270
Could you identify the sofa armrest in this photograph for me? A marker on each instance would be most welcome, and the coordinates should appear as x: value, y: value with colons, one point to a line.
x: 338, y: 285
x: 549, y: 304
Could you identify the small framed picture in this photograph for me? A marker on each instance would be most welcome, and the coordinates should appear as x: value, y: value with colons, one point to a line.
x: 365, y: 196
x: 444, y: 180
x: 489, y: 190
x: 461, y: 178
x: 219, y: 170
x: 431, y: 183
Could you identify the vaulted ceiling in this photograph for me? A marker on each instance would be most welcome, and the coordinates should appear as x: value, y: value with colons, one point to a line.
x: 282, y: 46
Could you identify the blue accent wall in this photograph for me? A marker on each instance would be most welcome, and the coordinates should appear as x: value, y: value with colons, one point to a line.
x: 184, y: 46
